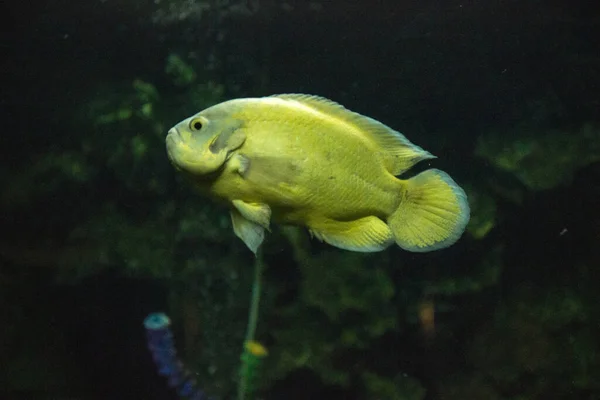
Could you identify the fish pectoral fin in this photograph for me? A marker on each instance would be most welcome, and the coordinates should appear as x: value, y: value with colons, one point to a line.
x: 240, y: 163
x: 433, y: 213
x: 251, y: 233
x: 368, y: 234
x: 256, y: 212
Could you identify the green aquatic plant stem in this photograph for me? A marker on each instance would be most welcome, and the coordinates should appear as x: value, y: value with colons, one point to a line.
x: 255, y: 302
x: 243, y: 387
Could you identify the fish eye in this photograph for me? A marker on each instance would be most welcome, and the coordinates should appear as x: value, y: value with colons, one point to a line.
x: 196, y: 125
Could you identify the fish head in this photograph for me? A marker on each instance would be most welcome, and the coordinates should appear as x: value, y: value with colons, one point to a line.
x: 202, y: 143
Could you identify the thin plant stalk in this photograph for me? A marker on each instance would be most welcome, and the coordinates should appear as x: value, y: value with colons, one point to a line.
x: 252, y: 318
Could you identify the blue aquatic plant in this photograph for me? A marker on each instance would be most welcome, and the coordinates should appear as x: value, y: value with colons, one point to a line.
x: 162, y: 347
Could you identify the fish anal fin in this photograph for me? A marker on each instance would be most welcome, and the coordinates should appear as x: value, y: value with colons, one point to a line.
x: 256, y: 212
x: 251, y: 233
x: 368, y: 234
x: 398, y: 153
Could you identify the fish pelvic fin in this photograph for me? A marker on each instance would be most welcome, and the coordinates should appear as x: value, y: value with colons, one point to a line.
x: 251, y: 233
x: 254, y: 212
x: 398, y: 153
x: 432, y: 214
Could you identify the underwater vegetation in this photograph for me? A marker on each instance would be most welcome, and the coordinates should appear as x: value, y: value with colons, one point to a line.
x: 508, y: 312
x: 342, y: 325
x: 162, y: 347
x: 541, y: 158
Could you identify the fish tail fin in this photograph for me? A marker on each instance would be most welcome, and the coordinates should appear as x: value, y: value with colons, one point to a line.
x: 432, y: 214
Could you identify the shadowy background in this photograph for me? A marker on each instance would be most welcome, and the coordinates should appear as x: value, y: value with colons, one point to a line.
x: 97, y: 230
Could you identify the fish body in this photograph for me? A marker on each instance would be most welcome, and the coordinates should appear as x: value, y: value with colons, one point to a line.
x: 307, y: 173
x: 305, y: 160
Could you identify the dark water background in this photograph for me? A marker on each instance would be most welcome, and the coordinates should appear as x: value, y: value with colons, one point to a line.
x: 445, y: 73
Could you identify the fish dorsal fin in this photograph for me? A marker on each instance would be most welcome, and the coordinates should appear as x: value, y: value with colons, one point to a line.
x: 399, y: 154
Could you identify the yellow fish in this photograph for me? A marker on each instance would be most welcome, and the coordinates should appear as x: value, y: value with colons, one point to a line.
x: 308, y: 161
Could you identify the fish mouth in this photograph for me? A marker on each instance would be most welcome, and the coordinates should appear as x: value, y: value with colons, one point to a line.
x: 173, y: 133
x: 180, y: 153
x: 173, y: 140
